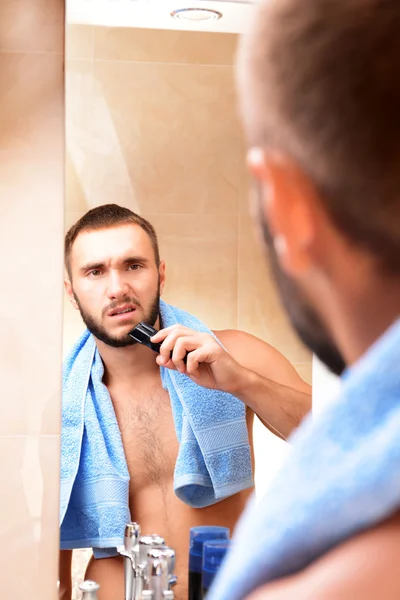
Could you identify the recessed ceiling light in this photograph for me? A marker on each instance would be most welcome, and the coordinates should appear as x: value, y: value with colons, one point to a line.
x: 196, y: 14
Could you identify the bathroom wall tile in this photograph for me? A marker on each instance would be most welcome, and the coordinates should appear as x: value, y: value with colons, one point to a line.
x: 179, y: 155
x: 201, y: 259
x: 32, y: 26
x: 30, y: 295
x: 79, y: 41
x: 29, y: 535
x: 164, y: 46
x: 305, y: 371
x: 71, y: 219
x: 31, y: 159
x: 73, y: 326
x: 31, y: 105
x: 260, y: 310
x: 79, y: 134
x: 246, y: 190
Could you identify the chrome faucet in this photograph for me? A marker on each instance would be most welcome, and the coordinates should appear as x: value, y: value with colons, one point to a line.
x: 148, y: 568
x: 89, y: 589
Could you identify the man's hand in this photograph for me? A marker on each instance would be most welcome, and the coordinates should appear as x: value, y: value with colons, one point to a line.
x: 249, y: 369
x: 207, y: 363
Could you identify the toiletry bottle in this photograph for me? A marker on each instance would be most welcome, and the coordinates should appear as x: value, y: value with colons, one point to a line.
x: 213, y: 555
x: 199, y: 535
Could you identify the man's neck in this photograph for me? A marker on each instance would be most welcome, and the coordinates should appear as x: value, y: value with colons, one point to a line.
x: 365, y: 309
x: 122, y: 365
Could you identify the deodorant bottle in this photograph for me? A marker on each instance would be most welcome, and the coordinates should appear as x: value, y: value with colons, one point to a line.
x: 213, y: 555
x: 199, y: 535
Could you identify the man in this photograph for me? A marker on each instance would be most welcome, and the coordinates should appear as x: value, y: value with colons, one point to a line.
x: 115, y: 279
x: 320, y: 98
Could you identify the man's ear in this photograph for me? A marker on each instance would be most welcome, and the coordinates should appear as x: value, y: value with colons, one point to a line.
x: 286, y: 206
x: 70, y: 293
x: 162, y: 276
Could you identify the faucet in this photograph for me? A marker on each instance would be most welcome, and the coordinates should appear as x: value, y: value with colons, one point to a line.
x: 89, y: 589
x: 148, y: 568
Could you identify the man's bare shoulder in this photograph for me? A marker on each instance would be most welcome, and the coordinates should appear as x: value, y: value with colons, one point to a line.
x: 365, y: 566
x: 259, y: 356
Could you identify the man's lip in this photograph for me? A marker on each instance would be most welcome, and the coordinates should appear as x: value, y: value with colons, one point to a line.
x: 115, y: 311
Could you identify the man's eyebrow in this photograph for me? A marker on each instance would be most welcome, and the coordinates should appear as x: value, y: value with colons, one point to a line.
x: 91, y: 266
x: 126, y: 261
x: 135, y: 259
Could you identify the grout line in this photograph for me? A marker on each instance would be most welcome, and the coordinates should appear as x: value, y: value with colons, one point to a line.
x: 154, y: 62
x: 9, y: 436
x: 239, y: 228
x: 30, y: 52
x: 92, y: 43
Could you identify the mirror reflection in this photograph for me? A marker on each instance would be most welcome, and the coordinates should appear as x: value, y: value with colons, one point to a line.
x: 158, y: 235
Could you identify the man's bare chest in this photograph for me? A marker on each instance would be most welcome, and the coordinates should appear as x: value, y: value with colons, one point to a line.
x: 147, y: 429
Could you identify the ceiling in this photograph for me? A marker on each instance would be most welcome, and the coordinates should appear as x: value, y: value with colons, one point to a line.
x: 156, y: 14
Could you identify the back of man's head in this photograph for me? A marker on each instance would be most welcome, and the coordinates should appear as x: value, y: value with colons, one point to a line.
x: 320, y: 82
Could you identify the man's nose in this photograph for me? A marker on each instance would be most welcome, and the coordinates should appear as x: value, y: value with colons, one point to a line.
x: 117, y: 285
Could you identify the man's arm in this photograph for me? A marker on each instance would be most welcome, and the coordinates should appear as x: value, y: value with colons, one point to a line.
x: 65, y: 576
x: 271, y: 386
x: 365, y: 567
x: 249, y: 369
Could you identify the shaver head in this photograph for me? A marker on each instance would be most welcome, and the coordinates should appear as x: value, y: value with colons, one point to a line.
x: 142, y: 334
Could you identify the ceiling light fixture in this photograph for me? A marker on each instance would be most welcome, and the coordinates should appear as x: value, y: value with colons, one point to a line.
x: 196, y: 14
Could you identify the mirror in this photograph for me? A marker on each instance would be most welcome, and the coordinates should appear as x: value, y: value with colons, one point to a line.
x: 152, y: 125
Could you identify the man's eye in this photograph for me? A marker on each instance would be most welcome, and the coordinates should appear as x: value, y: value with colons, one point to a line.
x: 94, y: 272
x: 134, y: 267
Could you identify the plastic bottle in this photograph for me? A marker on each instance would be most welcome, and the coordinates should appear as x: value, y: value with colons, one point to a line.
x: 213, y: 555
x: 199, y: 535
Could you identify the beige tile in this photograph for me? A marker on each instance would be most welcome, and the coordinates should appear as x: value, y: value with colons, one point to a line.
x: 79, y: 134
x: 32, y: 179
x: 305, y: 371
x: 71, y: 219
x: 201, y: 258
x: 31, y: 25
x: 29, y: 537
x: 31, y: 295
x: 166, y: 139
x: 73, y: 326
x: 245, y: 192
x: 31, y: 105
x: 165, y: 46
x: 260, y: 310
x: 79, y: 41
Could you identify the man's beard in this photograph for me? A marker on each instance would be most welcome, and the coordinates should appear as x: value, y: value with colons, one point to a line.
x: 303, y: 317
x: 99, y: 332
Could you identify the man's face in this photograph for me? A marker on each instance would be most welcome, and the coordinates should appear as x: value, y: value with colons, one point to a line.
x: 303, y: 317
x: 115, y: 282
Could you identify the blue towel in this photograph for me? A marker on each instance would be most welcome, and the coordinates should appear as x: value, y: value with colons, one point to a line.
x: 213, y: 462
x: 342, y: 476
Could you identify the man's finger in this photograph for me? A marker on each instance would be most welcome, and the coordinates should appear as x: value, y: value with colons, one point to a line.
x: 163, y: 333
x: 167, y: 363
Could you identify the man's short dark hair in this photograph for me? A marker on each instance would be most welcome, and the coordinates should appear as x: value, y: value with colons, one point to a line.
x: 108, y: 215
x: 323, y: 79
